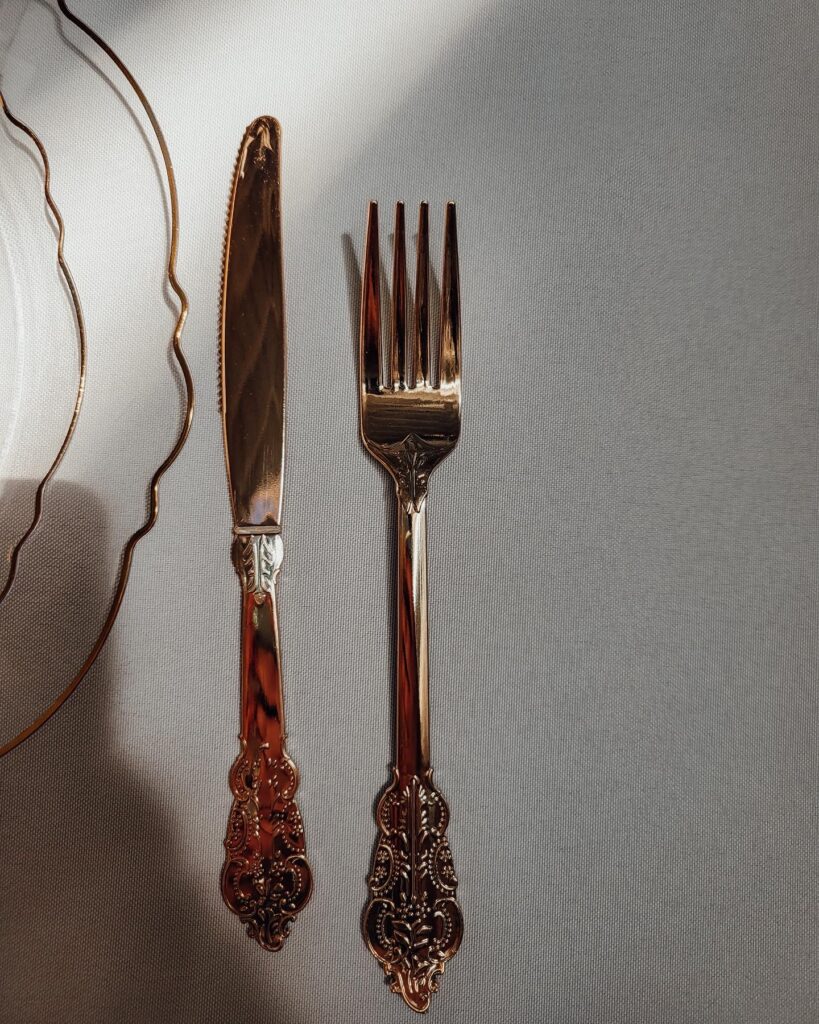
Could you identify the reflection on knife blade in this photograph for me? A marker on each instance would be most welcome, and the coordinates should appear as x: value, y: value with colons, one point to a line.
x: 253, y: 333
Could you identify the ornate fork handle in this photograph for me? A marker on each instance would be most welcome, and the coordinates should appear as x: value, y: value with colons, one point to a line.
x: 266, y: 879
x: 413, y: 923
x: 409, y: 423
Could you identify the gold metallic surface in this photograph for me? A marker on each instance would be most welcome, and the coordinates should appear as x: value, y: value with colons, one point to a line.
x: 412, y: 923
x: 253, y: 344
x: 184, y: 430
x: 80, y: 321
x: 266, y: 879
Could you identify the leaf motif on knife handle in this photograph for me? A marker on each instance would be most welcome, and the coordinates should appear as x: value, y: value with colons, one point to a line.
x: 258, y: 559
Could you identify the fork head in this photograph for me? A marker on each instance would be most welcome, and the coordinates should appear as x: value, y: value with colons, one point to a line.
x: 411, y: 421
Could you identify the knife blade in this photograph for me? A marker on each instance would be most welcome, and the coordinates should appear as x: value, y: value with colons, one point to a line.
x: 254, y: 348
x: 266, y: 879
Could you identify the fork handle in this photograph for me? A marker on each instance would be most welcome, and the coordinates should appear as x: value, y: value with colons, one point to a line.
x: 412, y: 647
x: 412, y: 923
x: 266, y: 879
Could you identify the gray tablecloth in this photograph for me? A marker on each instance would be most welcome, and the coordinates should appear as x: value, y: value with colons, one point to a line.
x: 624, y: 644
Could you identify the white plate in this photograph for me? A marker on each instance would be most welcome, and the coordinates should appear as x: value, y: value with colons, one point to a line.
x: 39, y: 350
x: 10, y: 351
x: 105, y: 182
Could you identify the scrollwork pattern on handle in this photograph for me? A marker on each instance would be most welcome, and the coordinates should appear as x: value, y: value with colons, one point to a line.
x: 266, y: 880
x: 413, y: 923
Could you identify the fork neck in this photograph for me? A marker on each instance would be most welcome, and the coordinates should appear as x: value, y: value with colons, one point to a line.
x: 412, y: 648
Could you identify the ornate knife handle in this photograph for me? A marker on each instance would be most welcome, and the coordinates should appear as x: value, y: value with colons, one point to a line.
x: 413, y: 924
x: 266, y: 879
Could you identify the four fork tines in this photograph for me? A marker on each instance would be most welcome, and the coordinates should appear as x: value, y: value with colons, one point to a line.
x: 413, y: 418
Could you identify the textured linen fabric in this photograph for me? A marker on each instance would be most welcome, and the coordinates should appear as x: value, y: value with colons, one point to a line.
x: 623, y: 548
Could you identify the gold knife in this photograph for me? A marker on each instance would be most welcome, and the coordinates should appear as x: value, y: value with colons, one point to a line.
x: 266, y: 879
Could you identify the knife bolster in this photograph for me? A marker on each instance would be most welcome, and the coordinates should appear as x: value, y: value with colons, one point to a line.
x: 258, y: 558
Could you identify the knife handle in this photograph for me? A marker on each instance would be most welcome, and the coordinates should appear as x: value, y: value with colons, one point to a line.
x: 266, y: 879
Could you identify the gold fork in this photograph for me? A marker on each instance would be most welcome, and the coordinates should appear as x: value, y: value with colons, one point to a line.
x: 412, y: 923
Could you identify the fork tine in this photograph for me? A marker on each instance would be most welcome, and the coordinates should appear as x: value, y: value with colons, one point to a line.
x: 450, y: 362
x: 399, y: 302
x: 421, y: 341
x: 368, y: 350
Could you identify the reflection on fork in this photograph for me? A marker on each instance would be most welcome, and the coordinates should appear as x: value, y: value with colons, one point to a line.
x: 409, y: 423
